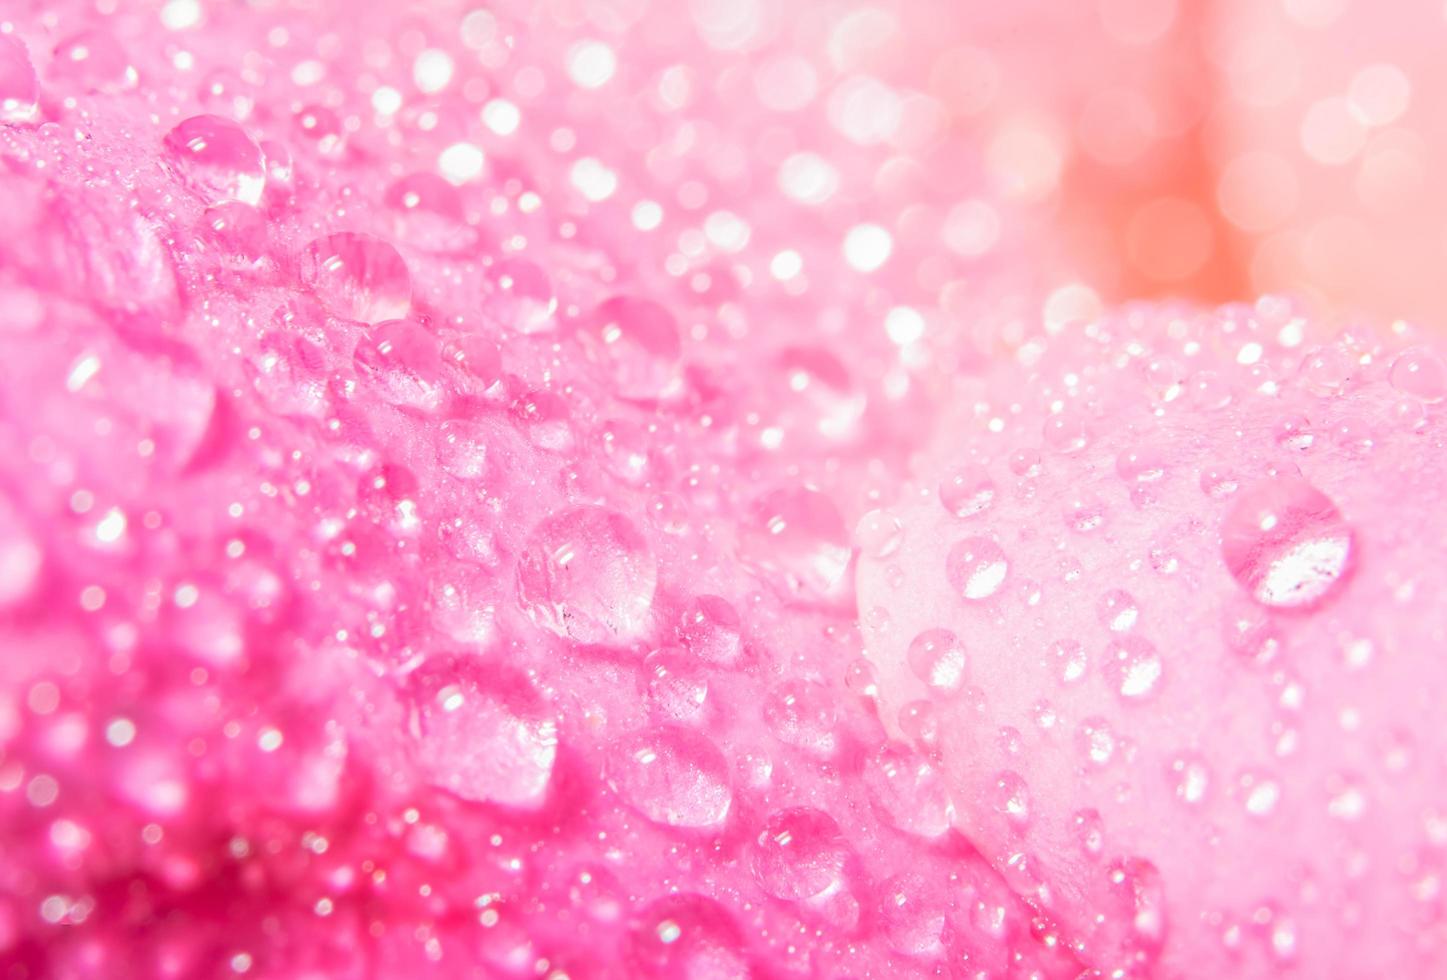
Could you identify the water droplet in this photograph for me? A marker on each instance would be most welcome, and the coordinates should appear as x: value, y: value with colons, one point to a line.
x: 1250, y: 633
x: 799, y: 854
x: 1096, y: 741
x: 637, y: 340
x: 1117, y: 611
x: 686, y: 937
x: 403, y: 362
x: 878, y: 534
x: 1419, y: 372
x: 976, y: 568
x: 799, y: 541
x: 588, y: 574
x: 1089, y: 832
x: 524, y: 301
x: 483, y: 733
x: 677, y: 689
x: 802, y: 714
x: 1219, y: 483
x: 1327, y: 371
x: 911, y: 916
x: 1141, y: 465
x: 358, y: 277
x: 1294, y: 433
x: 1025, y: 462
x: 937, y: 657
x: 92, y: 60
x: 1012, y: 799
x: 475, y: 354
x: 673, y: 776
x: 1190, y: 779
x: 860, y: 678
x: 710, y: 628
x: 967, y: 491
x: 1136, y: 885
x: 1070, y: 660
x: 909, y: 791
x: 18, y: 89
x: 1259, y: 793
x: 218, y: 160
x: 1065, y: 433
x: 1286, y: 544
x: 428, y: 213
x: 1132, y: 666
x: 919, y: 722
x: 545, y: 419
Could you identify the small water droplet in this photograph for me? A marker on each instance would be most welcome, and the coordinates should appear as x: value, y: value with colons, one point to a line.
x: 545, y: 419
x: 403, y: 362
x: 909, y: 791
x: 1132, y: 666
x: 358, y: 277
x: 1012, y: 798
x: 1089, y: 831
x: 1065, y: 433
x: 976, y: 568
x: 637, y: 340
x: 1190, y: 779
x: 1286, y: 544
x: 588, y: 574
x: 677, y: 689
x: 878, y: 534
x: 217, y: 159
x: 1327, y: 371
x: 1117, y: 611
x: 673, y: 776
x: 967, y: 491
x: 1070, y: 660
x: 1294, y: 433
x: 1096, y: 741
x: 1259, y: 793
x: 524, y: 301
x: 1141, y: 465
x: 801, y: 714
x: 710, y: 629
x: 937, y: 657
x: 1419, y: 372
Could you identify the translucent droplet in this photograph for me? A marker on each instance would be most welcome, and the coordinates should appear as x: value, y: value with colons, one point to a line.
x: 637, y: 340
x: 1136, y: 885
x: 1286, y: 544
x: 1219, y: 483
x: 18, y: 89
x: 967, y: 491
x: 1096, y: 741
x: 402, y: 360
x: 1190, y: 779
x: 909, y: 791
x: 1294, y: 433
x: 686, y: 937
x: 802, y: 714
x: 218, y: 160
x: 677, y: 690
x: 798, y: 540
x: 475, y: 354
x: 1066, y: 433
x: 799, y: 853
x: 937, y: 657
x: 911, y: 916
x: 1012, y: 798
x: 878, y: 534
x: 1419, y: 372
x: 1089, y: 831
x: 524, y: 301
x: 710, y: 629
x: 1132, y: 666
x: 545, y: 419
x: 1070, y: 660
x: 93, y: 60
x: 1259, y: 793
x: 358, y: 277
x: 462, y: 448
x: 1327, y: 371
x: 588, y: 574
x: 919, y: 721
x: 673, y: 776
x: 238, y: 228
x: 976, y: 568
x: 428, y: 213
x: 1250, y: 633
x: 1117, y: 611
x: 483, y: 733
x: 1141, y: 465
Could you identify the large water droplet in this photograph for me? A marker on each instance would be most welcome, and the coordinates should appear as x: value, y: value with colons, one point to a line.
x: 672, y: 776
x: 589, y: 575
x: 1419, y: 372
x: 358, y: 277
x: 483, y: 732
x: 402, y: 360
x: 909, y: 791
x: 976, y: 568
x: 911, y: 915
x: 18, y: 90
x: 799, y: 853
x: 798, y: 540
x: 217, y: 159
x: 937, y: 657
x: 710, y: 629
x: 637, y: 340
x: 92, y: 60
x: 686, y: 937
x: 1286, y: 544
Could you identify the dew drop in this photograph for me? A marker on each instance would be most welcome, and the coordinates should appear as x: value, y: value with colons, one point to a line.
x: 1132, y: 666
x: 799, y: 854
x: 677, y: 690
x: 709, y: 629
x: 1065, y: 433
x: 911, y: 916
x: 1419, y: 372
x: 92, y: 60
x: 937, y: 657
x: 1141, y: 465
x: 802, y: 714
x: 18, y: 89
x: 587, y: 574
x: 428, y: 213
x: 1190, y: 779
x: 798, y: 540
x: 673, y: 776
x: 1259, y: 794
x: 545, y: 420
x: 909, y: 791
x: 976, y: 568
x: 1089, y: 832
x: 482, y: 732
x: 1070, y: 660
x: 524, y: 301
x: 358, y: 277
x: 1286, y: 544
x: 403, y: 362
x: 217, y: 159
x: 1012, y: 799
x: 686, y: 937
x: 1117, y: 611
x: 637, y: 341
x: 878, y: 534
x: 967, y: 491
x: 1096, y: 741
